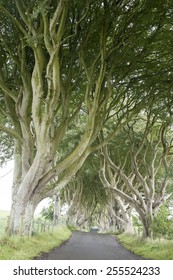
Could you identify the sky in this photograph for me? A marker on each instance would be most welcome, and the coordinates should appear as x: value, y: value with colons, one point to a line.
x: 6, y: 177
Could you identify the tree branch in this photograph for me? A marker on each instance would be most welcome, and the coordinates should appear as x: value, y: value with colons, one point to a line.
x: 14, y: 20
x: 11, y: 132
x: 6, y: 89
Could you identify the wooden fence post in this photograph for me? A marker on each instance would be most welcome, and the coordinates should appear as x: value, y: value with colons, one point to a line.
x: 21, y: 226
x: 31, y: 228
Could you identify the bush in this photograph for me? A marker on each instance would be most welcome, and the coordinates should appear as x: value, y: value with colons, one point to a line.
x: 47, y: 212
x: 163, y: 224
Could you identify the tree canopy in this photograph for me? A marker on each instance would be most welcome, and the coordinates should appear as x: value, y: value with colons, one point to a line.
x: 68, y: 64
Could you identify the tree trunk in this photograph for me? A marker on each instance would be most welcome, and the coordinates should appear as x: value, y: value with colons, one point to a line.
x: 57, y: 208
x: 21, y: 216
x: 24, y: 201
x: 147, y: 226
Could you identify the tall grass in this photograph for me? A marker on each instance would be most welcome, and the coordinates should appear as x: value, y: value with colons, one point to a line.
x: 2, y: 226
x: 3, y: 221
x: 150, y: 249
x: 26, y: 248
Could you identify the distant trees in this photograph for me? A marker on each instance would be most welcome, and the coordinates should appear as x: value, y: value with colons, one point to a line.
x: 88, y: 196
x: 48, y: 212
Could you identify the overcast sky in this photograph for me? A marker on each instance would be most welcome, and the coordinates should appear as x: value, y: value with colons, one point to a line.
x: 6, y: 176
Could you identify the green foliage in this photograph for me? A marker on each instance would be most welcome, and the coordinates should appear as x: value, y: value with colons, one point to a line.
x: 72, y: 137
x: 93, y: 192
x: 131, y: 41
x: 163, y: 224
x: 6, y: 148
x: 47, y: 212
x: 71, y: 227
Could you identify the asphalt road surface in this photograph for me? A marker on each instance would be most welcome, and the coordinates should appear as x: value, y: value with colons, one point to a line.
x: 89, y: 246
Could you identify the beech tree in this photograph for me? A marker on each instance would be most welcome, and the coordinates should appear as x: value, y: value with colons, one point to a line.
x: 143, y: 177
x: 90, y: 203
x: 86, y: 196
x: 61, y: 58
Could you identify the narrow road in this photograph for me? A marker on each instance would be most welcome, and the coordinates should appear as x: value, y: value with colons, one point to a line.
x: 89, y: 246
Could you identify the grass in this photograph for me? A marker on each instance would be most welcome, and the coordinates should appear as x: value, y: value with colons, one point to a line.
x: 3, y: 221
x: 4, y: 214
x: 149, y: 249
x: 26, y: 248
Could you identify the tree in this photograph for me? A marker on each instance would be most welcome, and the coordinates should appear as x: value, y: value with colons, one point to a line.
x: 59, y: 58
x: 47, y: 212
x: 56, y: 209
x: 88, y: 197
x: 143, y: 176
x: 163, y: 223
x: 53, y: 211
x: 90, y: 203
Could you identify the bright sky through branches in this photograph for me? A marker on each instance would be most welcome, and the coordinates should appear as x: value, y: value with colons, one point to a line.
x: 6, y: 176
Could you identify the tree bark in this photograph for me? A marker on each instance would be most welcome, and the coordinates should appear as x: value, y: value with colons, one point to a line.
x: 57, y: 208
x: 21, y: 216
x: 147, y: 226
x: 23, y: 200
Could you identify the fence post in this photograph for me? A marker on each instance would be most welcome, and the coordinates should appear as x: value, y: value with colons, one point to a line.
x: 48, y: 226
x: 39, y: 225
x: 21, y: 226
x: 31, y: 228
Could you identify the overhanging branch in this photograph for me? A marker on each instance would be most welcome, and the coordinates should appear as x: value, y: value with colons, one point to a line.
x: 11, y: 132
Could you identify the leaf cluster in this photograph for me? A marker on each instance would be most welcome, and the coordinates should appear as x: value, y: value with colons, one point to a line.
x: 163, y: 223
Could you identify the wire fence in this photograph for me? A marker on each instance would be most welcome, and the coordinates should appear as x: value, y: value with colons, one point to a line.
x: 38, y: 225
x: 3, y: 223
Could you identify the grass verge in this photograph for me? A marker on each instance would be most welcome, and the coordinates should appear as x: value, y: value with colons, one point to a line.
x: 26, y: 248
x: 149, y: 249
x: 3, y: 221
x: 4, y: 214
